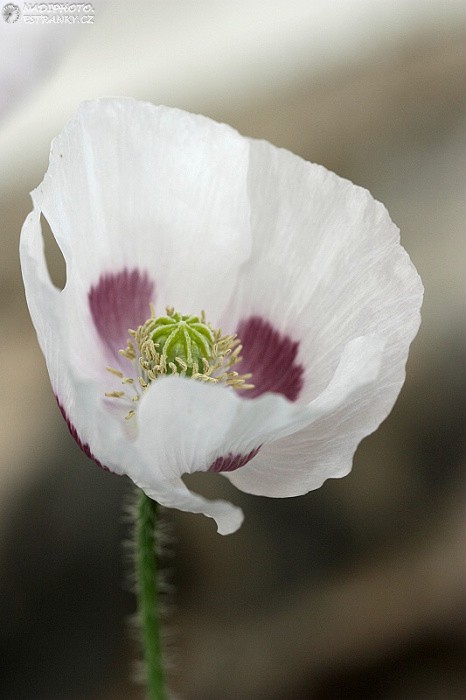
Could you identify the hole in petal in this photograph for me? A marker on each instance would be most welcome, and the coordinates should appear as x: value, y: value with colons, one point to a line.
x: 211, y: 485
x: 119, y: 301
x: 54, y: 257
x: 271, y: 358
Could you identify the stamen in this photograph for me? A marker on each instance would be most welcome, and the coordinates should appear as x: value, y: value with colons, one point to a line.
x: 116, y: 372
x: 179, y: 345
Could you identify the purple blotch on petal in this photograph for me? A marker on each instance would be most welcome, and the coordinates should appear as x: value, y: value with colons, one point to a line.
x: 119, y: 301
x: 271, y: 358
x: 84, y: 446
x: 231, y: 462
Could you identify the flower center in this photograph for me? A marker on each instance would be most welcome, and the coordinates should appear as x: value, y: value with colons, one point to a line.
x: 183, y: 344
x: 186, y: 346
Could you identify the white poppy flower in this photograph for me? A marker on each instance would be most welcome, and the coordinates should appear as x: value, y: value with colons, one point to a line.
x: 152, y: 205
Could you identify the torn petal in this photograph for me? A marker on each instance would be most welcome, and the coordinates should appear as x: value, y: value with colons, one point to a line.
x: 175, y: 494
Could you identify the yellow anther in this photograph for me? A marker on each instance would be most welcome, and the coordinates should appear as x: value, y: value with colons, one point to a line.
x: 116, y: 372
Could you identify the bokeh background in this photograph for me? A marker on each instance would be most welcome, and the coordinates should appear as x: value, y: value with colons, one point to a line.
x: 353, y: 591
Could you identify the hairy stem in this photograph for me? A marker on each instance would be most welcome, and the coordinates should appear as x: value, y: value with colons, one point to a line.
x: 148, y: 599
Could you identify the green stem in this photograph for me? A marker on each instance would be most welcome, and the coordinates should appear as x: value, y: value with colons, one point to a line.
x: 148, y: 600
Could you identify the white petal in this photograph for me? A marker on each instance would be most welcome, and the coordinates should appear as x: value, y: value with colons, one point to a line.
x: 326, y: 266
x: 96, y: 430
x: 44, y: 300
x: 132, y: 185
x: 154, y: 191
x: 185, y: 425
x: 351, y: 407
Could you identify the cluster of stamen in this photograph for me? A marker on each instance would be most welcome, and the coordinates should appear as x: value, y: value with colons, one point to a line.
x: 186, y: 346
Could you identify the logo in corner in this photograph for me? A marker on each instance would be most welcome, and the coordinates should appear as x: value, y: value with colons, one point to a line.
x: 11, y: 13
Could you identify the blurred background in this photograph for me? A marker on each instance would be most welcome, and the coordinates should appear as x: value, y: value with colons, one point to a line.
x: 355, y: 590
